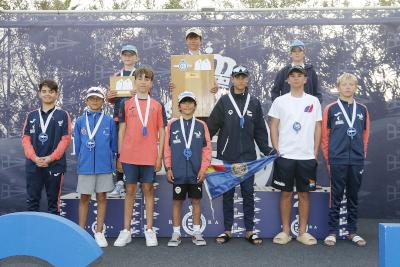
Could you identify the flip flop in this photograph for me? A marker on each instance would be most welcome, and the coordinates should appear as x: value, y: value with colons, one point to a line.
x: 225, y: 238
x: 357, y: 240
x: 306, y: 239
x: 253, y: 238
x: 282, y: 238
x: 330, y: 240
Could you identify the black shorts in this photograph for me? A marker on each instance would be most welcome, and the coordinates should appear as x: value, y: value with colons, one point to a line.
x: 290, y: 172
x: 192, y: 190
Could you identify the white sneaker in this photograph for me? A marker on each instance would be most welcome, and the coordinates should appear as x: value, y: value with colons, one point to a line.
x: 123, y: 239
x: 198, y: 239
x: 175, y: 240
x: 100, y: 240
x: 151, y: 238
x: 118, y: 190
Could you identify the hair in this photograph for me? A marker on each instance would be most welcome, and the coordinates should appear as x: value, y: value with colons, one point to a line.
x: 49, y: 83
x: 146, y: 70
x: 187, y: 99
x: 193, y: 35
x: 346, y: 76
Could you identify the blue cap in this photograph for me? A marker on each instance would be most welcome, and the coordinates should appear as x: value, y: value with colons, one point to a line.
x: 240, y: 70
x: 297, y: 44
x: 130, y: 48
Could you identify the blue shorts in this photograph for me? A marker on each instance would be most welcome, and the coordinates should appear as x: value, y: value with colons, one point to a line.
x: 138, y: 173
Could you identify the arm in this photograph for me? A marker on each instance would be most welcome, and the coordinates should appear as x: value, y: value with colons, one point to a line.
x: 325, y: 134
x: 317, y: 138
x: 114, y: 137
x: 77, y: 138
x: 274, y: 129
x: 121, y: 134
x: 64, y: 143
x: 366, y: 133
x: 206, y: 153
x: 215, y: 121
x: 161, y: 136
x: 29, y: 151
x: 167, y: 154
x: 260, y: 131
x: 278, y: 85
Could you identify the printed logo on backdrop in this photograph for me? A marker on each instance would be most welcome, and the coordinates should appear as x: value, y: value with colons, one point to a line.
x: 294, y: 226
x: 187, y: 222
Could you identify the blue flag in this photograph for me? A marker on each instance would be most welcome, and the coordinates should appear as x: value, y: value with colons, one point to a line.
x: 220, y: 179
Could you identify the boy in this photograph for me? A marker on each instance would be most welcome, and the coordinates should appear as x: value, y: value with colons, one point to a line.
x: 187, y: 156
x: 295, y: 134
x: 129, y: 57
x: 46, y: 137
x: 345, y: 133
x: 96, y: 145
x: 140, y: 129
x: 281, y: 85
x: 238, y: 117
x: 193, y: 43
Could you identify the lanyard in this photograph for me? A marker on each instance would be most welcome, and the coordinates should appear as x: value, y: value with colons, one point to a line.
x: 146, y: 116
x: 43, y: 125
x: 188, y: 142
x: 122, y: 72
x: 96, y: 128
x: 246, y: 105
x: 353, y: 116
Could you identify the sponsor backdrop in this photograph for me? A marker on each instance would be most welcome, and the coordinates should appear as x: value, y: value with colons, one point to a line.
x: 80, y: 50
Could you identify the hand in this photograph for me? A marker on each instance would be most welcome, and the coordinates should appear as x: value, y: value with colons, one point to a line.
x: 133, y: 92
x: 328, y: 167
x: 201, y: 176
x: 157, y: 167
x: 172, y: 87
x: 170, y: 177
x: 119, y: 166
x: 214, y: 89
x: 111, y: 94
x: 40, y: 162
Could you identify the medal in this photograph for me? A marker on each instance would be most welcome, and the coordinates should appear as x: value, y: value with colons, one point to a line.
x: 297, y: 127
x: 351, y: 131
x: 43, y: 137
x: 91, y: 143
x: 246, y: 105
x: 146, y: 116
x: 187, y: 152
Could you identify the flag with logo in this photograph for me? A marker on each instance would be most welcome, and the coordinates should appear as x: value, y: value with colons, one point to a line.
x: 225, y: 176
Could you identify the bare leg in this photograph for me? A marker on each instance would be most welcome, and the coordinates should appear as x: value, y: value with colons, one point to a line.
x: 128, y: 208
x: 286, y: 208
x: 148, y: 191
x: 101, y: 211
x: 83, y: 209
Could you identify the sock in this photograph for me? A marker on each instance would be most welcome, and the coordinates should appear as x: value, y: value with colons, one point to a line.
x: 196, y: 228
x: 177, y: 229
x: 149, y: 229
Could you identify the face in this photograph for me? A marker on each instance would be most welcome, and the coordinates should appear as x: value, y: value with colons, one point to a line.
x: 187, y: 107
x: 193, y: 42
x: 296, y: 79
x: 47, y: 95
x: 240, y: 81
x: 347, y: 88
x: 95, y: 103
x: 297, y: 54
x: 143, y: 84
x: 129, y: 58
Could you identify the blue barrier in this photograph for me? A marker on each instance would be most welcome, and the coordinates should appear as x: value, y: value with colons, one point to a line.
x: 48, y: 237
x: 389, y: 244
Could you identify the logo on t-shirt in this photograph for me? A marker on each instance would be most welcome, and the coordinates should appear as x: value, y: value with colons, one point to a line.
x: 309, y: 109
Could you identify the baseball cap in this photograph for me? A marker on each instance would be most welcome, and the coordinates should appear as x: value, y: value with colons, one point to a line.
x: 186, y: 94
x: 130, y: 48
x: 196, y: 31
x: 239, y: 69
x: 95, y: 91
x: 297, y: 44
x: 298, y: 69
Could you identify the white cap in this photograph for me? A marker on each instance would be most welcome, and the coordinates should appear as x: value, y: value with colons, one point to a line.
x: 196, y: 31
x: 95, y: 91
x: 186, y: 94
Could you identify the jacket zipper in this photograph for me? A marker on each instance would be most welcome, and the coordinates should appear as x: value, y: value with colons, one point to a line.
x: 226, y: 143
x: 94, y: 149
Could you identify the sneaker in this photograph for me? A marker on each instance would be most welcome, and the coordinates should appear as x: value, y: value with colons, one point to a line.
x: 100, y: 240
x: 175, y: 240
x: 118, y: 189
x: 198, y: 239
x: 151, y: 238
x: 123, y: 239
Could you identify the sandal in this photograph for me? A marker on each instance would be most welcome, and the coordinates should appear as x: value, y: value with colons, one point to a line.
x: 223, y: 238
x: 282, y: 238
x: 254, y: 239
x: 330, y: 240
x: 357, y: 240
x: 306, y: 239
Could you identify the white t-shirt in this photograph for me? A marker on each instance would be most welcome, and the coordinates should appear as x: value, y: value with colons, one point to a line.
x: 297, y: 117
